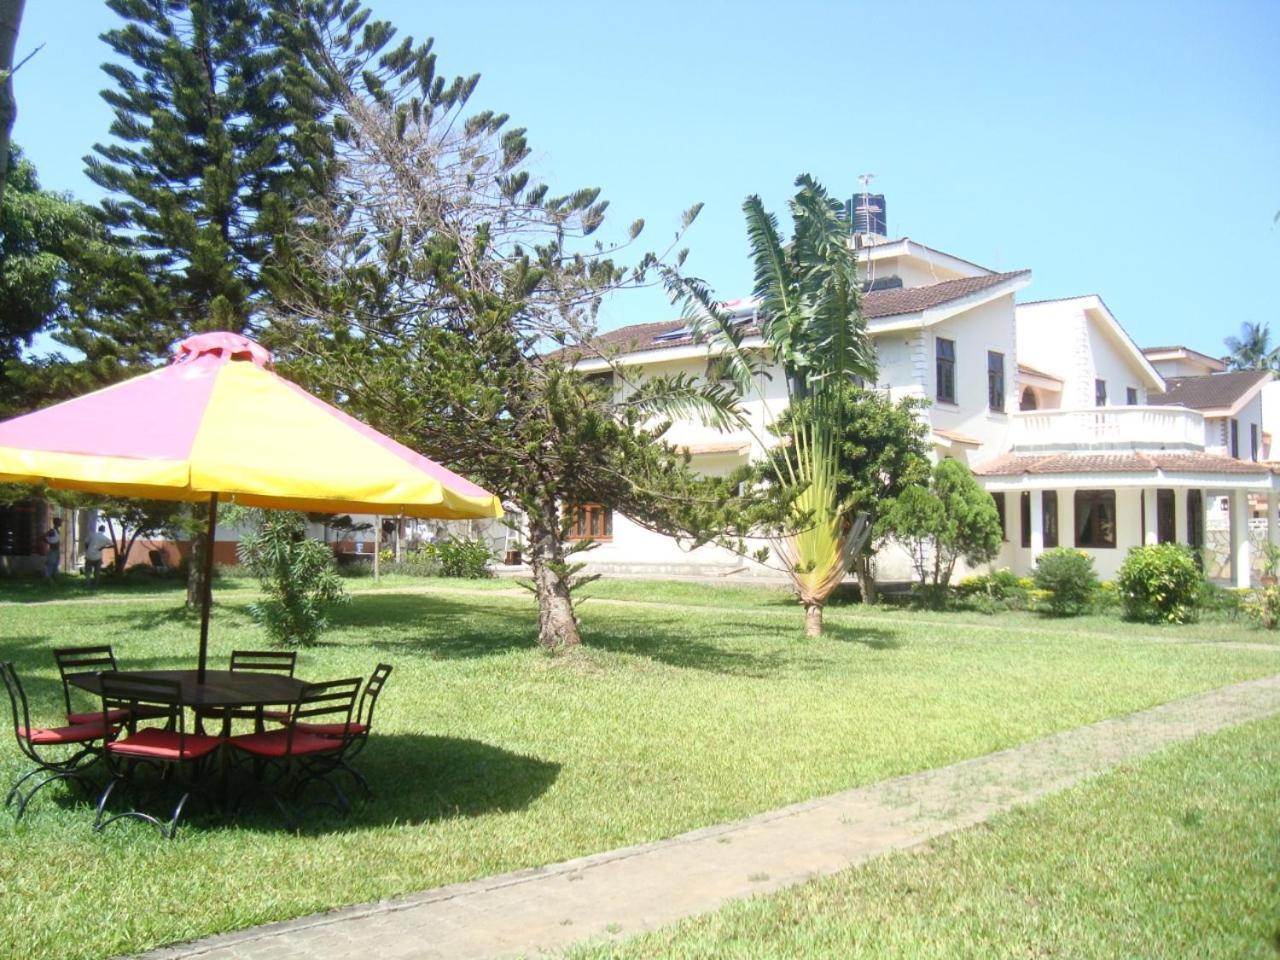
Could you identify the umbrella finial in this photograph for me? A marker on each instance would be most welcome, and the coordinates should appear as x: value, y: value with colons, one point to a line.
x: 223, y: 344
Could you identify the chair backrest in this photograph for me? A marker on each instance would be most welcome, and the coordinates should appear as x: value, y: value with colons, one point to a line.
x: 128, y: 691
x: 264, y: 661
x: 18, y: 703
x: 372, y: 689
x: 76, y: 660
x: 331, y: 702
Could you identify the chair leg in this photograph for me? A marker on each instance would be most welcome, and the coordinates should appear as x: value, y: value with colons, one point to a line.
x: 52, y: 778
x: 98, y: 823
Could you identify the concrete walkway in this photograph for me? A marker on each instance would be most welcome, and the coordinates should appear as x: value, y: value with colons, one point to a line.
x: 623, y: 892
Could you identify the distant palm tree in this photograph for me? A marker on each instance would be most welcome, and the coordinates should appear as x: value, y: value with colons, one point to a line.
x: 1252, y: 350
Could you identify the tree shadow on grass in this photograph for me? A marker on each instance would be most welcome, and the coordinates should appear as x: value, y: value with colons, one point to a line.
x: 872, y: 637
x: 418, y: 779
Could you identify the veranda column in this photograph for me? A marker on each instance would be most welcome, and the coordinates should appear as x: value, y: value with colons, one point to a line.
x: 1240, y: 559
x: 1150, y: 525
x: 1181, y: 534
x: 1037, y: 524
x: 1273, y: 528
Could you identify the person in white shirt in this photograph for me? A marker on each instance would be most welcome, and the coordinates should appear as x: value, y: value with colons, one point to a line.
x: 93, y: 547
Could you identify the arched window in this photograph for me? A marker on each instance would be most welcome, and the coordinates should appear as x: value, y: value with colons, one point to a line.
x: 1028, y: 399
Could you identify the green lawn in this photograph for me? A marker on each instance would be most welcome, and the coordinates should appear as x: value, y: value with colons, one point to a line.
x: 1174, y: 856
x: 491, y: 756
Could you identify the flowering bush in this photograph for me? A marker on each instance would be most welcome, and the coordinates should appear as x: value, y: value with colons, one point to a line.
x: 1160, y: 584
x: 1068, y: 578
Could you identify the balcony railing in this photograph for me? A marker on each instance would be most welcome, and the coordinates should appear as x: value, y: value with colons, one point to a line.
x: 1108, y: 428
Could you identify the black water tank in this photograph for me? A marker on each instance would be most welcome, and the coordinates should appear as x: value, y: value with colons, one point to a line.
x: 866, y: 214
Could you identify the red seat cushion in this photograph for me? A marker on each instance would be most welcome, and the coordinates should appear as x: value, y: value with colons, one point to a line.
x: 276, y: 744
x: 164, y: 745
x: 76, y: 733
x: 331, y: 729
x: 95, y: 716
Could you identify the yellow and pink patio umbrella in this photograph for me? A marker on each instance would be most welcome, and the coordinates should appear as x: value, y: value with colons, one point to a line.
x: 218, y: 422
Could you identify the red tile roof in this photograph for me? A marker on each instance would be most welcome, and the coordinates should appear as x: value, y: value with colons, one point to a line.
x: 875, y: 305
x: 1012, y: 465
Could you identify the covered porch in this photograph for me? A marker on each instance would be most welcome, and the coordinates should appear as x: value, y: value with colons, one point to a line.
x: 1105, y: 505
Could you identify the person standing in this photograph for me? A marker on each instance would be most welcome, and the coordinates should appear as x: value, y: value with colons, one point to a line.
x: 97, y: 542
x: 53, y: 541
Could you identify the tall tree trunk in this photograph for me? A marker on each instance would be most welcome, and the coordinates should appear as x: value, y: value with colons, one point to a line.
x: 195, y: 564
x: 10, y: 18
x: 866, y: 582
x: 557, y: 623
x: 812, y: 618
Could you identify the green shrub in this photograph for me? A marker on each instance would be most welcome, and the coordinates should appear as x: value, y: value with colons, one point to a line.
x: 296, y: 573
x: 992, y: 592
x: 468, y: 559
x: 1068, y: 579
x: 1263, y: 607
x: 1160, y: 584
x: 1229, y: 603
x: 1107, y: 598
x: 417, y: 563
x: 930, y: 596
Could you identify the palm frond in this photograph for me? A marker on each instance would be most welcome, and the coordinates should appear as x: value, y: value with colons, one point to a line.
x: 710, y: 323
x: 682, y: 397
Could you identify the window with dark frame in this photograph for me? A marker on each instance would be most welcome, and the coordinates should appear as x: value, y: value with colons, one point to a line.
x: 1131, y: 396
x: 946, y: 370
x: 1048, y: 518
x: 1095, y: 518
x: 1049, y: 511
x: 1004, y: 527
x: 591, y: 521
x: 1253, y: 441
x: 1099, y: 393
x: 995, y: 381
x: 1235, y: 439
x: 1166, y: 521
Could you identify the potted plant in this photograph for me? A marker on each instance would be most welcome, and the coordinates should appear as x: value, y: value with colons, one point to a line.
x: 1270, y: 564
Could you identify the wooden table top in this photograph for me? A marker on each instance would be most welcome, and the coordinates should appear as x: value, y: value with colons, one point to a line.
x: 221, y: 688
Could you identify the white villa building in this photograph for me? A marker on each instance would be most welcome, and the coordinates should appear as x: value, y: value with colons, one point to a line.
x: 1082, y: 438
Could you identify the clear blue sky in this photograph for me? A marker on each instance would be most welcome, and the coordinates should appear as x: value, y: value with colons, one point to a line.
x: 1129, y: 149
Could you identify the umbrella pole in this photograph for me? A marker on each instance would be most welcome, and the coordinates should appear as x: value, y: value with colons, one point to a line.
x: 206, y: 588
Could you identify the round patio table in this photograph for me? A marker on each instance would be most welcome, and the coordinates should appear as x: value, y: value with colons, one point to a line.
x: 221, y: 692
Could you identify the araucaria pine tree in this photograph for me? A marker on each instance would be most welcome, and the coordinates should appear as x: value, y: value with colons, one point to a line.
x: 216, y: 140
x: 431, y: 292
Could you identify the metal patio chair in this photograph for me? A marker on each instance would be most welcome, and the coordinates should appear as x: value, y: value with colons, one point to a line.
x: 289, y: 758
x: 357, y: 732
x: 38, y: 743
x: 78, y: 660
x: 169, y: 748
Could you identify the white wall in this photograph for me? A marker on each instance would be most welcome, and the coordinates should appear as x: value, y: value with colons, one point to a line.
x: 1182, y: 367
x: 1217, y: 430
x: 1116, y: 368
x: 1271, y: 419
x: 987, y: 327
x: 1060, y: 337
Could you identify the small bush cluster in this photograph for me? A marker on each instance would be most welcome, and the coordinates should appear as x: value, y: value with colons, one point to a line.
x: 468, y: 559
x: 1263, y: 607
x: 1160, y: 584
x: 297, y: 575
x: 993, y: 592
x: 1068, y: 581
